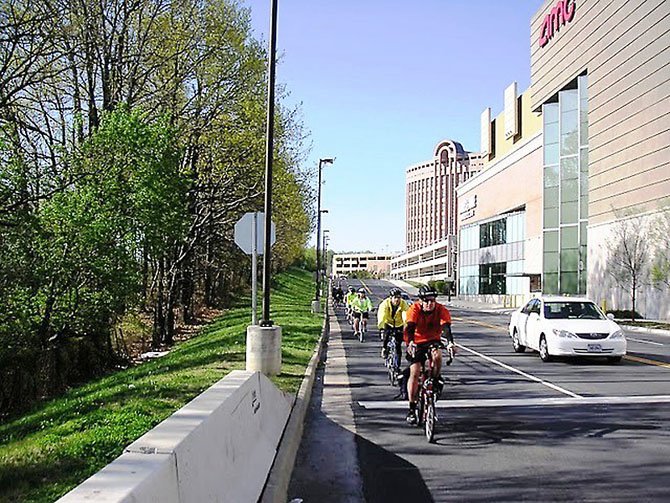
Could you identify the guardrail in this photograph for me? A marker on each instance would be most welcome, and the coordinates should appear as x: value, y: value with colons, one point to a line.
x: 218, y: 447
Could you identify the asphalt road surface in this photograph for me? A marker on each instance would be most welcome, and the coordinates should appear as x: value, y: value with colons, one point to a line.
x: 511, y: 428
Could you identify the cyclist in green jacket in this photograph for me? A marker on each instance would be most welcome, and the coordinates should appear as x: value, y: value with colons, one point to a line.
x: 361, y: 307
x: 348, y: 299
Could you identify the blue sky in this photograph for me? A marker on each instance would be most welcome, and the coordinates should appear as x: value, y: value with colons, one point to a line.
x: 380, y: 83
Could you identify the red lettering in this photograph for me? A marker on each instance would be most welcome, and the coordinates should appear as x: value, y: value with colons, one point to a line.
x: 562, y: 13
x: 544, y: 32
x: 569, y: 10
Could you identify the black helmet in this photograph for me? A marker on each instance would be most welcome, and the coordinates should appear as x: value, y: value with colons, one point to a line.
x: 426, y: 291
x: 351, y: 288
x: 361, y: 290
x: 395, y: 292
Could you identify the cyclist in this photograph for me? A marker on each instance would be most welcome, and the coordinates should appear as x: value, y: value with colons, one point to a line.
x: 348, y: 299
x: 390, y: 319
x: 427, y: 322
x: 338, y: 295
x: 361, y: 306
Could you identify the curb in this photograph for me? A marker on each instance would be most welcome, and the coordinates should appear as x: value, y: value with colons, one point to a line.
x: 643, y: 330
x: 279, y: 477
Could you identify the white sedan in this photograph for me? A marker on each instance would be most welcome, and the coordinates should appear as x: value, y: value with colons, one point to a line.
x: 564, y: 326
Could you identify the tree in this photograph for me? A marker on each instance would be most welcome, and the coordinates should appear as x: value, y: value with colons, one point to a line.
x: 660, y: 270
x: 628, y: 263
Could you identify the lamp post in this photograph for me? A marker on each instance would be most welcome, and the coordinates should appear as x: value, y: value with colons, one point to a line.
x: 263, y: 348
x: 324, y: 259
x: 316, y: 305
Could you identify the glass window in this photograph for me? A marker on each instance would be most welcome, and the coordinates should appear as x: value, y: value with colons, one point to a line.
x: 583, y: 110
x: 551, y: 197
x: 550, y: 283
x: 551, y: 176
x: 569, y: 168
x: 569, y: 282
x: 492, y: 278
x: 550, y: 262
x: 551, y: 241
x: 569, y: 237
x: 551, y: 153
x: 569, y: 121
x: 550, y: 218
x: 569, y: 213
x: 569, y: 260
x: 550, y: 112
x: 569, y: 191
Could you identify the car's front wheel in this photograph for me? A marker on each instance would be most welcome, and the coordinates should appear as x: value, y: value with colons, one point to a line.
x: 544, y: 349
x: 518, y: 347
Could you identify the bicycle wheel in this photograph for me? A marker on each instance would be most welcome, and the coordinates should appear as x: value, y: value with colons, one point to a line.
x: 360, y: 335
x: 420, y: 407
x: 429, y: 424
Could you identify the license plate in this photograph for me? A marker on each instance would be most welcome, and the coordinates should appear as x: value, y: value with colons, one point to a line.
x: 595, y: 348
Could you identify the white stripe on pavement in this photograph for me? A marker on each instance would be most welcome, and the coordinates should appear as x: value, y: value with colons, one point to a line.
x: 645, y: 342
x: 523, y: 402
x: 520, y: 372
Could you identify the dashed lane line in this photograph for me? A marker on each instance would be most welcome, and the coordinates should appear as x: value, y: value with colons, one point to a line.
x: 524, y: 402
x: 521, y: 372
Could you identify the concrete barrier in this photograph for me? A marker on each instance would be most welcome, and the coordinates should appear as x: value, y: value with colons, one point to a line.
x: 218, y: 447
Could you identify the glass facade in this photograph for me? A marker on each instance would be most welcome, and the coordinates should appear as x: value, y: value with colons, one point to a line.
x: 491, y: 256
x: 565, y: 201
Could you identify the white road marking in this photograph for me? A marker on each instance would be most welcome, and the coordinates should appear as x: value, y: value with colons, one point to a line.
x: 523, y: 402
x: 645, y: 342
x: 520, y: 372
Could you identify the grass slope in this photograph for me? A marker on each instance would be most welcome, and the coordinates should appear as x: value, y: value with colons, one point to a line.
x: 59, y: 444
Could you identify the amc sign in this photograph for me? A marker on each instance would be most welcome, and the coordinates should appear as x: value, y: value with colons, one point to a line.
x: 562, y: 13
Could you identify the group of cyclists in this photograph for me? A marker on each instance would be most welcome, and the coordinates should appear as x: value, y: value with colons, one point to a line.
x: 422, y: 326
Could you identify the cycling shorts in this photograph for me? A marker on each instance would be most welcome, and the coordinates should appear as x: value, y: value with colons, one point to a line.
x: 422, y: 351
x: 365, y: 314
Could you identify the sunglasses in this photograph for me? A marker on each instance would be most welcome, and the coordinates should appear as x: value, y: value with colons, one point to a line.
x: 430, y: 299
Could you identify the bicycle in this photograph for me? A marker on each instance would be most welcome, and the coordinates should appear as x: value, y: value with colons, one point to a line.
x: 430, y: 389
x: 392, y: 360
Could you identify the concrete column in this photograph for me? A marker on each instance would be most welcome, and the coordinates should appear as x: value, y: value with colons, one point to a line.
x: 264, y: 349
x: 316, y: 306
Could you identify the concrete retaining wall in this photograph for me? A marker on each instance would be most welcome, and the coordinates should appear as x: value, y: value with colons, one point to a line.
x: 218, y: 447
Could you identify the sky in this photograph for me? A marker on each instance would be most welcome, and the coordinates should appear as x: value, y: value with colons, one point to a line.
x: 380, y: 83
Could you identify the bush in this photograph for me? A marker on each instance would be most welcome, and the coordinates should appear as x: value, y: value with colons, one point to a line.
x: 625, y: 314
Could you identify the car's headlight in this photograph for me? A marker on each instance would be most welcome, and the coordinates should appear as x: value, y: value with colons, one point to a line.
x: 565, y: 334
x: 617, y: 335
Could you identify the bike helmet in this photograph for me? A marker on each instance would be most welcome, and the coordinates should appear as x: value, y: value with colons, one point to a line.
x: 426, y: 291
x: 395, y: 292
x: 351, y: 289
x: 361, y: 290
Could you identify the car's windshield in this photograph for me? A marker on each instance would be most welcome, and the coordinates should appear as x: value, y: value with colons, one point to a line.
x: 572, y: 310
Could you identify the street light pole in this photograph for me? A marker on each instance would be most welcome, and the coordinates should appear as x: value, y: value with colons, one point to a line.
x: 269, y: 149
x: 325, y: 253
x: 263, y: 343
x: 318, y: 232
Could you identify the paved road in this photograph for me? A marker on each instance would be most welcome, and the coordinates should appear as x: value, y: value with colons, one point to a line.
x: 512, y: 428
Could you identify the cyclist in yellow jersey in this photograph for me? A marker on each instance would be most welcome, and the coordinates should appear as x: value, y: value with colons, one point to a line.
x: 390, y: 319
x: 361, y: 307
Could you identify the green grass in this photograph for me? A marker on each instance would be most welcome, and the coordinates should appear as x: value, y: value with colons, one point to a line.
x: 59, y: 444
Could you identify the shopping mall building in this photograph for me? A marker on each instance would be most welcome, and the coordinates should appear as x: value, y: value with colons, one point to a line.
x: 580, y: 155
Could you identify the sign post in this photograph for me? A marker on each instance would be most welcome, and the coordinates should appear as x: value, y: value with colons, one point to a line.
x: 263, y: 348
x: 248, y: 232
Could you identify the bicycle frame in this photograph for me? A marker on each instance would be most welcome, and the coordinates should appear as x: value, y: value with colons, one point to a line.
x: 426, y: 403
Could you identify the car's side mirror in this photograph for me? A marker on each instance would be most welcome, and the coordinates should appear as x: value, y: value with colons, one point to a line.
x: 610, y: 316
